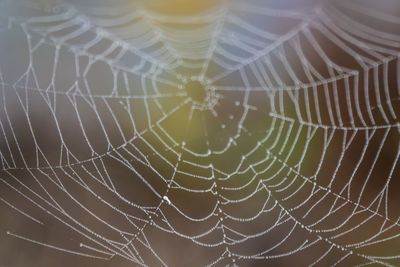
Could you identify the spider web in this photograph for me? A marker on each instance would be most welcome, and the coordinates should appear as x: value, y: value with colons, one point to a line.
x: 289, y: 154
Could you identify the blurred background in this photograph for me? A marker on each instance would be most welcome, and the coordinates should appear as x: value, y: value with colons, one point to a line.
x: 178, y: 132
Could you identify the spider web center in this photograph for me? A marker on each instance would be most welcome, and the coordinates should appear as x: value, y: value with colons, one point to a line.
x: 196, y: 91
